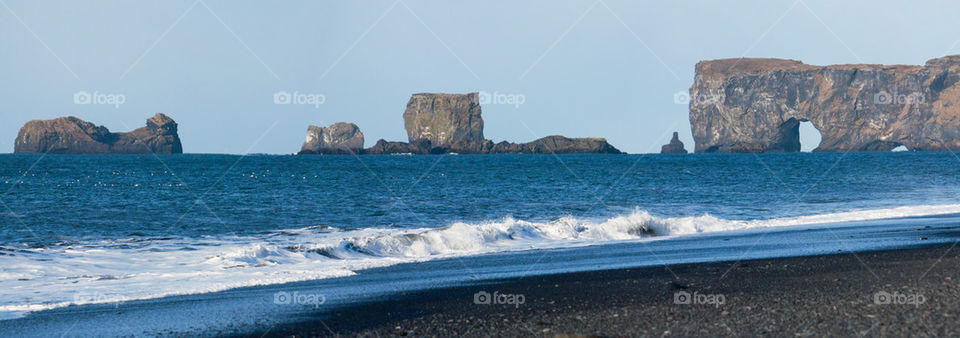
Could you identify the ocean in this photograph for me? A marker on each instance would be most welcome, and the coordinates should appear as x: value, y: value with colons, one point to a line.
x: 106, y: 229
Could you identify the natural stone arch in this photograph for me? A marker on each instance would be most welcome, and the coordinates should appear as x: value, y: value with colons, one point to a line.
x: 810, y: 135
x: 789, y: 141
x: 789, y: 135
x: 754, y: 105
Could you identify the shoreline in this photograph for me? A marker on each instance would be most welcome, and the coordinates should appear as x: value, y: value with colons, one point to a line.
x: 834, y: 295
x: 740, y: 272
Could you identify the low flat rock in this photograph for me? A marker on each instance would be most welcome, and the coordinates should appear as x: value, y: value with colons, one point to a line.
x: 548, y: 145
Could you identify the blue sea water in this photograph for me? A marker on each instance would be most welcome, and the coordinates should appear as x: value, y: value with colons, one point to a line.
x: 118, y: 228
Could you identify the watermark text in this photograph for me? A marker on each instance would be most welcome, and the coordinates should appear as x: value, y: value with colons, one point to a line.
x: 497, y: 298
x: 696, y: 298
x: 299, y: 298
x: 296, y: 97
x: 898, y: 298
x: 512, y: 99
x: 112, y: 99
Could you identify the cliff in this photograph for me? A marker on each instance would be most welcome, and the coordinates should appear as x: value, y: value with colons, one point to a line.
x: 70, y: 135
x: 756, y: 105
x: 338, y: 138
x: 443, y: 119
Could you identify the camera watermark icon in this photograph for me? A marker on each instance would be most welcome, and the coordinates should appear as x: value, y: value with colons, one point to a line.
x: 97, y: 298
x: 297, y: 298
x: 497, y: 298
x: 514, y: 100
x: 85, y: 97
x: 884, y: 97
x: 898, y: 298
x: 312, y: 99
x: 696, y: 298
x: 683, y: 97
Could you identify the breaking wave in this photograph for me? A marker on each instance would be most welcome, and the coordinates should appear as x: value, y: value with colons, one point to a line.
x: 117, y: 271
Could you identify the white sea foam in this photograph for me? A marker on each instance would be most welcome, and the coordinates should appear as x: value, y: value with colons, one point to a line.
x: 105, y: 272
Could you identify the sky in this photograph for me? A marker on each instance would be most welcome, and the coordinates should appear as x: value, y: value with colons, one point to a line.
x: 591, y: 68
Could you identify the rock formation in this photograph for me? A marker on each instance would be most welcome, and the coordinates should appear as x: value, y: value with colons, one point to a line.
x: 384, y: 147
x: 674, y: 147
x: 547, y: 145
x: 70, y: 135
x: 339, y: 138
x: 756, y: 105
x: 443, y: 119
x: 564, y: 145
x: 441, y: 124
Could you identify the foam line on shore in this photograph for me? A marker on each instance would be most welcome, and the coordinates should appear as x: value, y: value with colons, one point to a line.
x: 117, y: 271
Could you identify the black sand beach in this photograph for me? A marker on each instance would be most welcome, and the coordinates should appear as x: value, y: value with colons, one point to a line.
x: 913, y: 292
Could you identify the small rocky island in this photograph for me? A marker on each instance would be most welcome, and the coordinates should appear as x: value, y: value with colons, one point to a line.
x: 757, y: 105
x: 339, y: 138
x: 70, y: 135
x: 674, y: 147
x: 441, y: 124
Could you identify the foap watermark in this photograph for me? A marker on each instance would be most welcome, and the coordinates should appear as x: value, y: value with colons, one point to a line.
x: 112, y: 99
x: 884, y: 97
x: 898, y: 298
x: 512, y: 99
x: 696, y: 298
x: 298, y: 298
x: 683, y: 97
x: 497, y: 298
x: 311, y: 99
x: 97, y: 298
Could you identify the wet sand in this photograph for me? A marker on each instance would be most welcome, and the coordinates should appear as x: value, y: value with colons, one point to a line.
x: 913, y: 292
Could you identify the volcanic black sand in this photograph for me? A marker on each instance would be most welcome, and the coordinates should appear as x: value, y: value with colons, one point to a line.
x: 913, y: 292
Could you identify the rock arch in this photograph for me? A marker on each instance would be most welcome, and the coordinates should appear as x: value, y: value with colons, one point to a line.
x: 756, y: 105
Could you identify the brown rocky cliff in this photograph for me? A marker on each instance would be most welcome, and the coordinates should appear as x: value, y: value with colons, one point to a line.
x: 443, y: 118
x: 70, y: 135
x: 756, y: 105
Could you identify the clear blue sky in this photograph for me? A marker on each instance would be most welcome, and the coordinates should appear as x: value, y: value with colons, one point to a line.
x: 585, y: 68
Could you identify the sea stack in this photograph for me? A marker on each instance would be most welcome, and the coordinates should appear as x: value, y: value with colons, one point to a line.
x: 757, y: 105
x: 674, y: 147
x: 71, y: 135
x: 443, y: 119
x: 439, y: 123
x: 338, y: 138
